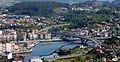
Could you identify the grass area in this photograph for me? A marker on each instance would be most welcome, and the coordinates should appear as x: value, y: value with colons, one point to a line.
x: 59, y: 10
x: 62, y: 60
x: 79, y: 58
x: 77, y: 50
x: 71, y: 59
x: 80, y: 50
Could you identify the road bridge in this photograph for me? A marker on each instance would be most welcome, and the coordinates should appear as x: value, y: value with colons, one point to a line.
x: 84, y: 40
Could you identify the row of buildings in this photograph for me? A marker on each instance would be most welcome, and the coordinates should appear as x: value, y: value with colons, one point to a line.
x: 11, y: 35
x: 98, y: 30
x: 9, y: 39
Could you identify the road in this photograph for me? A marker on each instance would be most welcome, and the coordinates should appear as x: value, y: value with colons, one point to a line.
x: 41, y: 41
x: 53, y: 26
x: 67, y: 56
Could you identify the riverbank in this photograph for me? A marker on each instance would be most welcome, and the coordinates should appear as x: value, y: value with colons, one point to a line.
x: 32, y: 45
x: 47, y: 48
x: 23, y: 52
x: 42, y: 50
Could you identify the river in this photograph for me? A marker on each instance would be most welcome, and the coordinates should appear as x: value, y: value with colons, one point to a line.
x: 47, y: 48
x: 44, y: 49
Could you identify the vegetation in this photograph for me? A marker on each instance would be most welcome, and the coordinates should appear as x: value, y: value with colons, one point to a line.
x: 36, y: 8
x: 80, y: 50
x: 76, y: 18
x: 112, y: 41
x: 60, y: 11
x: 63, y: 52
x: 79, y: 58
x: 54, y: 13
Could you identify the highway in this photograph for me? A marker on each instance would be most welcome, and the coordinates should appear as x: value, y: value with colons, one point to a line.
x: 67, y: 56
x: 53, y: 26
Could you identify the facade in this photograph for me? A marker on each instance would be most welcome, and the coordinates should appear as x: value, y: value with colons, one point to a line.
x: 44, y: 35
x: 1, y: 47
x: 9, y: 47
x: 8, y: 35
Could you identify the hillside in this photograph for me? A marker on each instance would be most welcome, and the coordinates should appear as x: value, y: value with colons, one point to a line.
x: 37, y: 8
x: 62, y: 1
x: 65, y: 1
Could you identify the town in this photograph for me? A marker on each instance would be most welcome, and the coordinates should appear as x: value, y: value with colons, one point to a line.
x: 59, y: 32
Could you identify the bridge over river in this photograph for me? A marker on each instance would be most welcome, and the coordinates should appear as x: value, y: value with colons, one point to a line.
x: 85, y: 40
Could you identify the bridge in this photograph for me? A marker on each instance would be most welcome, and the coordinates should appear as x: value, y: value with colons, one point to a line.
x: 83, y: 40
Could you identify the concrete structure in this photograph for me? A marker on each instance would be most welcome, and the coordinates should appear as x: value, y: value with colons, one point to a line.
x: 36, y: 60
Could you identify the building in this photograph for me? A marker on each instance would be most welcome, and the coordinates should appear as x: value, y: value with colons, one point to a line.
x: 44, y: 35
x: 35, y: 60
x: 1, y: 47
x: 8, y: 35
x: 8, y: 47
x: 20, y: 36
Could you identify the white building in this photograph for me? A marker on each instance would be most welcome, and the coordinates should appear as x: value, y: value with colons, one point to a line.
x: 9, y: 47
x: 44, y: 35
x: 36, y: 60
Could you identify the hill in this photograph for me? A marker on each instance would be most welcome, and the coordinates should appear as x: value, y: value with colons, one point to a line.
x: 36, y: 8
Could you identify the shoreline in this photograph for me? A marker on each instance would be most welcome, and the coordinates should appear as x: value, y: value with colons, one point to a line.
x: 32, y: 45
x: 55, y: 51
x: 35, y: 44
x: 23, y: 52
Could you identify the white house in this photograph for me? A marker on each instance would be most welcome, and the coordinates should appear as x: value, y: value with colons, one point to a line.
x: 36, y: 60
